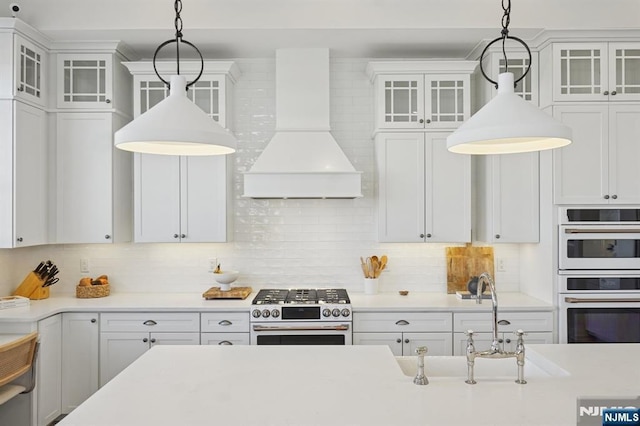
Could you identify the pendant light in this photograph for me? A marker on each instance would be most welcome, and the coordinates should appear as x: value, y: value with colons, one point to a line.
x: 176, y: 126
x: 508, y: 124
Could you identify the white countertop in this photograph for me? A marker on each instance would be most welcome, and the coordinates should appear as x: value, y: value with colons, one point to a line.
x: 183, y: 302
x: 345, y: 385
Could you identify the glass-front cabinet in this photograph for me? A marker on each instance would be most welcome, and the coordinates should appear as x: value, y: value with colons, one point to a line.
x: 30, y: 75
x: 206, y: 93
x: 421, y: 94
x: 84, y: 80
x: 596, y: 72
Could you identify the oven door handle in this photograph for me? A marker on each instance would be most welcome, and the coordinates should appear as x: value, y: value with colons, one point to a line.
x: 601, y: 231
x: 339, y: 327
x: 601, y: 300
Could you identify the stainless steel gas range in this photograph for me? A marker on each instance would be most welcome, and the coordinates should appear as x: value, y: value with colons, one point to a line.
x: 301, y: 317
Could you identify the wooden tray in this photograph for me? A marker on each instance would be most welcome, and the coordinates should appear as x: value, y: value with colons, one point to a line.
x: 234, y: 293
x: 466, y: 262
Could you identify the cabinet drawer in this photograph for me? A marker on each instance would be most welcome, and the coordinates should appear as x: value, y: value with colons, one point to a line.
x: 224, y: 338
x: 401, y: 321
x: 225, y: 322
x: 150, y: 322
x: 481, y: 321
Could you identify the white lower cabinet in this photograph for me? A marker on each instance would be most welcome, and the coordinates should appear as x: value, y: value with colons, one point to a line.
x: 404, y: 331
x: 224, y: 328
x: 48, y: 375
x: 80, y: 358
x: 126, y: 336
x: 537, y: 325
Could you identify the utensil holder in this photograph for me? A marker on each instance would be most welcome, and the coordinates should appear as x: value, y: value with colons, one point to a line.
x: 31, y: 287
x: 371, y: 286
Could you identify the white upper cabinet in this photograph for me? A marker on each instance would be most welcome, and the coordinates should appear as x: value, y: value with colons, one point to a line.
x: 507, y: 206
x: 30, y: 71
x: 424, y: 190
x: 421, y: 94
x: 601, y: 165
x: 596, y: 71
x: 183, y: 199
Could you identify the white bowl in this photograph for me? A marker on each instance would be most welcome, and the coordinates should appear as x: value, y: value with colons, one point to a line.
x: 226, y: 277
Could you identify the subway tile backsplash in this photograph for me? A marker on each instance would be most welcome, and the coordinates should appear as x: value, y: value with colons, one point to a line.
x: 280, y: 243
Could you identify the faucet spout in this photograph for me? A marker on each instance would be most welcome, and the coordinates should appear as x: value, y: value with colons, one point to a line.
x: 485, y: 279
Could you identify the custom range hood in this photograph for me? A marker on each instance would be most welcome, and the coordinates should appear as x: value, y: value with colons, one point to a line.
x: 302, y: 160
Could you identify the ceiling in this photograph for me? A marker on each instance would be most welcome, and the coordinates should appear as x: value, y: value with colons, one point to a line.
x: 369, y: 28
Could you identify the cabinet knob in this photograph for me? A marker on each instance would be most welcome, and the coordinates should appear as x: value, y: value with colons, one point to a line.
x: 183, y: 235
x: 428, y: 235
x: 145, y: 340
x: 613, y: 93
x: 606, y: 197
x: 398, y: 340
x: 428, y: 121
x: 93, y: 320
x: 153, y: 340
x: 500, y: 341
x: 497, y: 236
x: 19, y: 239
x: 107, y: 237
x: 508, y: 340
x: 421, y: 235
x: 606, y: 93
x: 615, y: 197
x: 406, y: 340
x: 176, y: 236
x: 421, y: 120
x: 20, y: 89
x: 108, y: 101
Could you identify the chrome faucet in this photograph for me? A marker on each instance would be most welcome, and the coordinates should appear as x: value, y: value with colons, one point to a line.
x: 496, y: 351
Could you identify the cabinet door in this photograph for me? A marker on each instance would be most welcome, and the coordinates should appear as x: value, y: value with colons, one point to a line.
x: 508, y: 199
x: 624, y: 71
x: 118, y: 350
x: 400, y: 101
x: 224, y: 339
x: 438, y: 344
x: 580, y: 169
x: 447, y: 100
x: 30, y: 71
x: 80, y: 355
x: 580, y: 71
x: 84, y: 80
x: 157, y: 198
x: 624, y: 154
x: 30, y: 174
x: 401, y: 187
x: 203, y: 197
x: 48, y: 381
x: 448, y: 192
x: 84, y: 178
x: 393, y: 340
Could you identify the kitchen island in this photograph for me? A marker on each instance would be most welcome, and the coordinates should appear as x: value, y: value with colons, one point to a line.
x: 348, y: 385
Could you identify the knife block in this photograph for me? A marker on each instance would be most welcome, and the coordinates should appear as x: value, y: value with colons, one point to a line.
x: 31, y: 287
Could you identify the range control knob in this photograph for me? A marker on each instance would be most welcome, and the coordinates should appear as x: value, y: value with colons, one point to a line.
x: 266, y: 313
x: 256, y: 313
x: 275, y: 313
x: 336, y: 312
x: 326, y: 312
x: 345, y: 312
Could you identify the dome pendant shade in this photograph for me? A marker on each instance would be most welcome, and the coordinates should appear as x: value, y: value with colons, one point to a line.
x: 508, y: 124
x: 175, y: 126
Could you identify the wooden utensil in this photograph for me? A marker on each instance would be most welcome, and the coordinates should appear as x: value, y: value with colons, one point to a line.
x: 383, y: 262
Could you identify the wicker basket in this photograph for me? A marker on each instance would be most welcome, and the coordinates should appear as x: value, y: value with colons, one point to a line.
x: 89, y: 292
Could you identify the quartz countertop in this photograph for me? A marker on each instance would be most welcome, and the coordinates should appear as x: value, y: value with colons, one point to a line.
x: 184, y: 302
x: 346, y: 385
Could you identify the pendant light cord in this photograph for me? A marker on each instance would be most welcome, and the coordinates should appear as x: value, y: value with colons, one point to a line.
x: 177, y: 23
x: 504, y: 35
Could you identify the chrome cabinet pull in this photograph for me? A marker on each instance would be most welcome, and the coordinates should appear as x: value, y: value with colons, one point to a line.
x: 225, y: 342
x: 150, y: 322
x: 503, y: 322
x: 402, y: 322
x: 225, y: 322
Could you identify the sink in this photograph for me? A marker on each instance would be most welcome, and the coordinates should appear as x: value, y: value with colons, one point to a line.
x: 485, y: 369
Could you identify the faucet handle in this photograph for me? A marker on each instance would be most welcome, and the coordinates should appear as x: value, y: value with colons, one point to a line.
x: 519, y: 333
x: 469, y: 334
x: 421, y: 350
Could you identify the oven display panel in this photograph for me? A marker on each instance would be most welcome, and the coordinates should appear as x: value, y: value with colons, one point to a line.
x: 300, y: 312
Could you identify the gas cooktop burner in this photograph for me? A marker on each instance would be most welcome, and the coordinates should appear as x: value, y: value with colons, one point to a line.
x: 301, y: 296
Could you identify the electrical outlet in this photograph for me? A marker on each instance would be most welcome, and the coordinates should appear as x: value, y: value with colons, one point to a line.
x: 500, y: 265
x: 84, y: 265
x: 213, y: 263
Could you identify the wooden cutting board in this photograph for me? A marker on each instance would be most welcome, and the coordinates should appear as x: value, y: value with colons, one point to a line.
x: 466, y: 262
x: 233, y: 293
